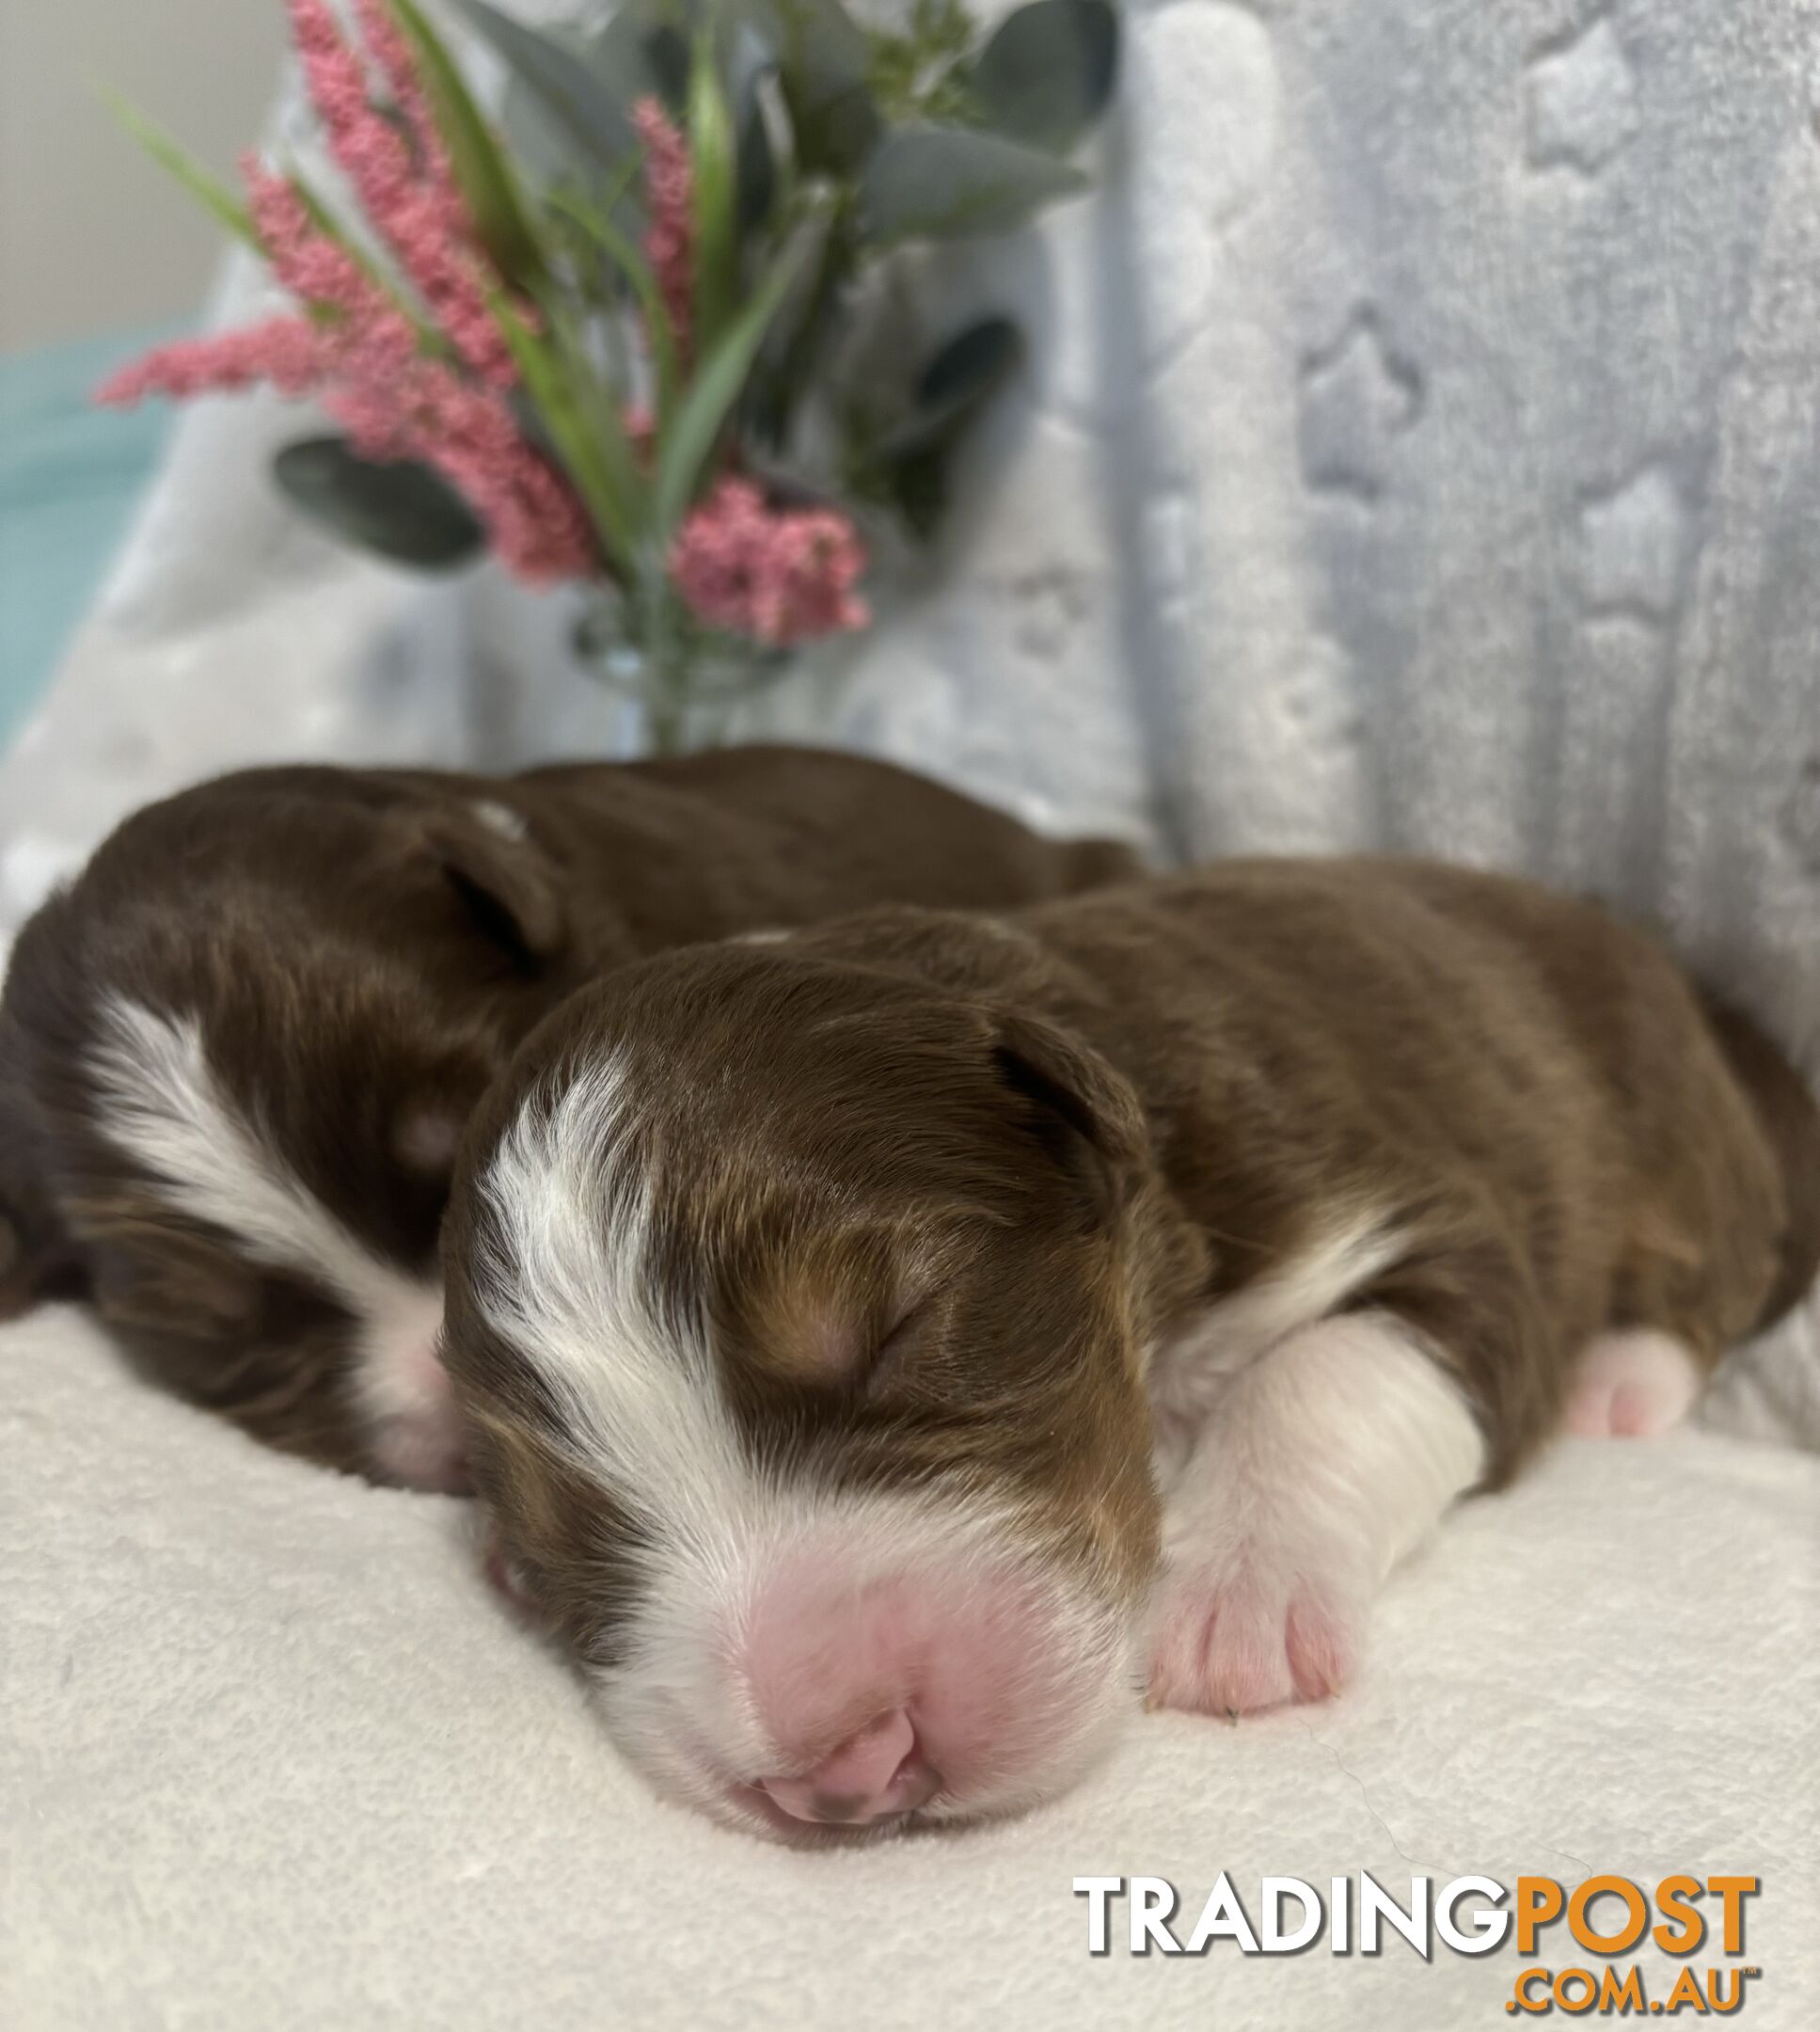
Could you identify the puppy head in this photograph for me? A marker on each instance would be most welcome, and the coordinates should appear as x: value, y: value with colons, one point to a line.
x: 251, y: 1034
x: 785, y: 1302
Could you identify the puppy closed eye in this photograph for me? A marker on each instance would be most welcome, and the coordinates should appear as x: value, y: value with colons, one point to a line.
x: 809, y: 1339
x: 893, y: 1354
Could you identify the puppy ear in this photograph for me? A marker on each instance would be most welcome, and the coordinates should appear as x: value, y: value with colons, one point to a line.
x: 1078, y: 1107
x: 510, y: 885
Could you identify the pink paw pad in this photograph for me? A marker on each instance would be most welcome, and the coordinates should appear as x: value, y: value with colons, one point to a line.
x: 1634, y: 1385
x: 1234, y: 1647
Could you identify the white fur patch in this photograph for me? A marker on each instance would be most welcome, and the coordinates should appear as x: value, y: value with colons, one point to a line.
x: 501, y: 819
x: 163, y: 1107
x: 638, y: 1395
x: 1188, y: 1375
x: 1324, y: 1462
x: 635, y: 1391
x: 1633, y: 1384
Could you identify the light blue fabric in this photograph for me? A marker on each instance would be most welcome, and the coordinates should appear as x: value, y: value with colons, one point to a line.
x: 70, y: 474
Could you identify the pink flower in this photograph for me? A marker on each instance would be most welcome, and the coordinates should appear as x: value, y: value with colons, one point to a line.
x: 400, y: 170
x: 781, y: 574
x: 670, y: 197
x: 283, y: 351
x: 359, y: 351
x: 469, y: 435
x: 391, y: 53
x: 323, y: 275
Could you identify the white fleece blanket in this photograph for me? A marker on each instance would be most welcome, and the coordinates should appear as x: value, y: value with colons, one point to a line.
x: 1421, y: 447
x: 274, y: 1756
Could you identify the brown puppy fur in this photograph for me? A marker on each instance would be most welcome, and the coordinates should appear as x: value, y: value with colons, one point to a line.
x: 355, y: 953
x: 921, y: 1231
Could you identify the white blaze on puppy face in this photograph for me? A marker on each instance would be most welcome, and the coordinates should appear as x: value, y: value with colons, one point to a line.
x: 163, y: 1107
x: 777, y: 1613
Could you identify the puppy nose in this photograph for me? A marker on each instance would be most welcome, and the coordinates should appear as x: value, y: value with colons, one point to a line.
x: 873, y: 1777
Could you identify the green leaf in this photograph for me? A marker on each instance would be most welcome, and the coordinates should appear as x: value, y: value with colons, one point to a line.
x: 910, y: 462
x: 793, y: 348
x: 945, y: 183
x: 756, y: 166
x: 1048, y: 71
x: 642, y: 51
x: 714, y: 196
x: 598, y: 226
x: 960, y: 379
x: 207, y: 189
x: 762, y: 122
x: 483, y: 173
x: 404, y: 511
x: 589, y: 112
x: 590, y: 443
x: 823, y: 58
x: 717, y: 385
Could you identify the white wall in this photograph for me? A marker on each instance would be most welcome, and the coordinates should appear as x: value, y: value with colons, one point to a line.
x: 93, y: 235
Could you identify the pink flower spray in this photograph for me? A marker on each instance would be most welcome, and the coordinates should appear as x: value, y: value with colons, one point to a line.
x: 444, y: 403
x: 669, y: 231
x: 782, y: 575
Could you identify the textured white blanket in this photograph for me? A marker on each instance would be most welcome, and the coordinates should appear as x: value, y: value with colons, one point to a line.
x: 273, y: 1756
x: 1422, y: 448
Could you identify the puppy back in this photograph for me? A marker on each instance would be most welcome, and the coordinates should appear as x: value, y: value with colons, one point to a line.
x: 1790, y: 1121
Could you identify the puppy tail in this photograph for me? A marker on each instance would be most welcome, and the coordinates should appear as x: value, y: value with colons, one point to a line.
x: 1790, y: 1117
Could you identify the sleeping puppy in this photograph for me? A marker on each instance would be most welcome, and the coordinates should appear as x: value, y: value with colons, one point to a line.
x: 892, y: 1350
x: 237, y: 1054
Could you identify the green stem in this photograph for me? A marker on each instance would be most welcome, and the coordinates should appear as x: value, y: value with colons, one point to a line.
x: 665, y: 722
x: 667, y: 669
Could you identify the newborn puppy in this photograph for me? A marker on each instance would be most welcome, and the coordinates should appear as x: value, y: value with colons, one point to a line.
x: 891, y: 1350
x: 237, y: 1054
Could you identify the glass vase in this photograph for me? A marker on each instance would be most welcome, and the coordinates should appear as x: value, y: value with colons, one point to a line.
x: 685, y: 682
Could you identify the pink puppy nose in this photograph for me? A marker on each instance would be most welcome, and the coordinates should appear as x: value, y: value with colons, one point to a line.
x: 871, y: 1776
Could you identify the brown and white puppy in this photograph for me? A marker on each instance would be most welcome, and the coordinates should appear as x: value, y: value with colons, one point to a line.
x: 237, y: 1054
x: 892, y: 1350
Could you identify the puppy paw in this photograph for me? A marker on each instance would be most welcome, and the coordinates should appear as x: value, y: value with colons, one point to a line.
x: 1630, y: 1386
x: 428, y: 1451
x: 1258, y: 1628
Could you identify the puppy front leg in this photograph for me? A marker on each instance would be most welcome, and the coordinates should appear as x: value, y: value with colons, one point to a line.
x: 1323, y: 1463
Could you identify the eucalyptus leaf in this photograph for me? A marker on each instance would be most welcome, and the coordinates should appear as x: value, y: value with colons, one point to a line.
x: 761, y: 120
x: 946, y: 182
x: 823, y: 58
x: 1048, y: 71
x: 756, y: 166
x: 960, y: 378
x: 912, y: 459
x: 402, y: 510
x: 590, y: 114
x: 641, y: 51
x: 784, y: 369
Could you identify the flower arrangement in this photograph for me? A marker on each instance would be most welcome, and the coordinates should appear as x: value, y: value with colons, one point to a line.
x: 610, y: 340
